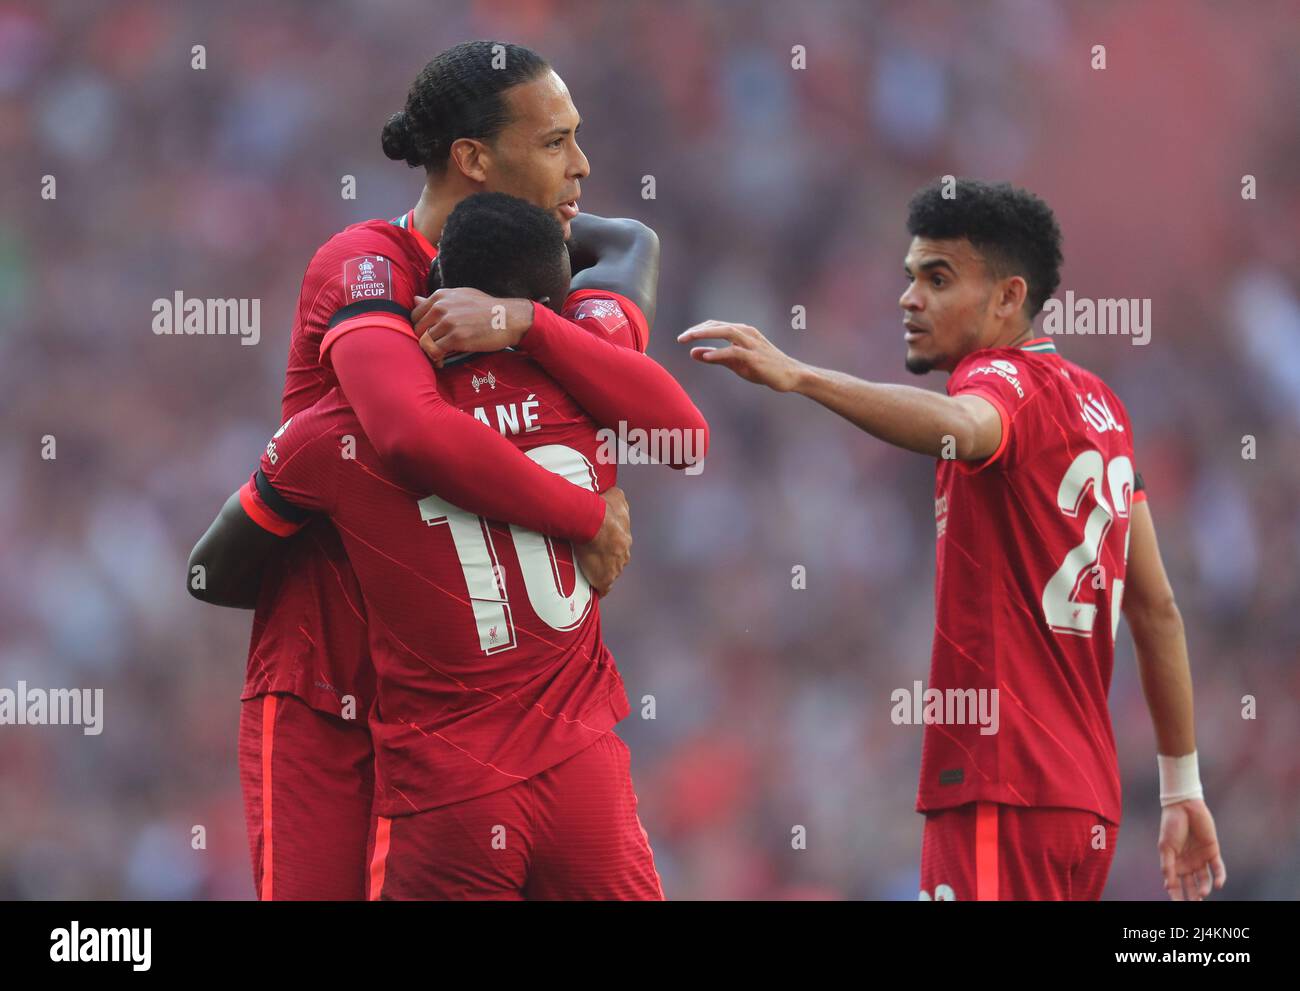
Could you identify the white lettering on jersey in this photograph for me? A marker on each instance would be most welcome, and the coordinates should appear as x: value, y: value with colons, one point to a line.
x: 1001, y: 368
x: 1097, y: 414
x: 509, y: 416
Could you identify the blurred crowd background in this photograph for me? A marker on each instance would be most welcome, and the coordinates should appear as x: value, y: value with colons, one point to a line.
x: 775, y: 187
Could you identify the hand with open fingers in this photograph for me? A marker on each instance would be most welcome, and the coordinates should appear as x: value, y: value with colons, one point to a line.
x: 1189, y: 851
x: 464, y: 320
x: 602, y: 559
x: 749, y: 354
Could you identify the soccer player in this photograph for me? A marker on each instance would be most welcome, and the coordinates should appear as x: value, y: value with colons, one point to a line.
x: 1043, y: 533
x: 498, y: 775
x: 480, y: 117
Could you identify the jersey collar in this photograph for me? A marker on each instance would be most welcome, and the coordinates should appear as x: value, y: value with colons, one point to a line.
x: 408, y: 223
x: 1039, y: 345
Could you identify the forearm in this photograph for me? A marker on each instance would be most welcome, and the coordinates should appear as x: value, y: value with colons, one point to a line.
x: 618, y: 254
x: 907, y: 417
x: 612, y: 383
x: 1166, y: 676
x: 432, y: 447
x: 589, y: 236
x: 225, y: 567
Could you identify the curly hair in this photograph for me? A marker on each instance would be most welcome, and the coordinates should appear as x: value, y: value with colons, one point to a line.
x: 1013, y: 229
x: 459, y: 94
x: 503, y: 246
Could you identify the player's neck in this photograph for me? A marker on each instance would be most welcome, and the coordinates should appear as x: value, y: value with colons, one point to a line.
x: 433, y: 209
x: 1012, y: 337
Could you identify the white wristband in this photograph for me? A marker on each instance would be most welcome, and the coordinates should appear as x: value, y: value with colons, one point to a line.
x: 1180, y: 779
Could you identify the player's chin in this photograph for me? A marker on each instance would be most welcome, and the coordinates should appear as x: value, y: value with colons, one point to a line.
x: 918, y: 362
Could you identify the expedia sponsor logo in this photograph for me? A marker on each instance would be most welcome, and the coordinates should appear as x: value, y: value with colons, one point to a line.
x: 1004, y: 369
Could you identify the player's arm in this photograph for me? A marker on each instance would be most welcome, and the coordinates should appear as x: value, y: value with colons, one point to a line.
x: 966, y: 427
x: 1157, y: 628
x: 615, y: 383
x: 616, y: 254
x: 1189, y: 850
x: 232, y: 555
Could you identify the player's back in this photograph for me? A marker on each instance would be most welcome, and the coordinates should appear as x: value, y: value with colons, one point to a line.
x: 1030, y: 565
x: 309, y: 629
x: 485, y: 637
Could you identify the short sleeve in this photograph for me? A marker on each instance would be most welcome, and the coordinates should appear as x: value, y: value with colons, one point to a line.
x: 298, y: 472
x: 362, y: 282
x: 610, y: 316
x: 1004, y: 384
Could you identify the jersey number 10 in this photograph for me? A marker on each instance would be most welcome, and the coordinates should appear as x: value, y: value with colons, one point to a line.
x: 484, y: 575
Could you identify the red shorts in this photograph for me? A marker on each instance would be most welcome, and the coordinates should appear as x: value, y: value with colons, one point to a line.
x: 308, y: 781
x: 983, y: 851
x: 570, y: 832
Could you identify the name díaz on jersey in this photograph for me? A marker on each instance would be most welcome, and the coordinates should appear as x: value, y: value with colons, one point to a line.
x: 1097, y: 414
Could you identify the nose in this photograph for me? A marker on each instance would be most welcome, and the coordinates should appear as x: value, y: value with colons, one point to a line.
x: 911, y: 299
x: 579, y: 168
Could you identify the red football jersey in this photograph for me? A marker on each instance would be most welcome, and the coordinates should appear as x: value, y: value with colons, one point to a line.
x: 485, y: 637
x: 1031, y: 553
x: 309, y: 628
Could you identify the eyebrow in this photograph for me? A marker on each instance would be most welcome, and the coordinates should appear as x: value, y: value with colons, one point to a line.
x: 931, y: 265
x: 556, y: 131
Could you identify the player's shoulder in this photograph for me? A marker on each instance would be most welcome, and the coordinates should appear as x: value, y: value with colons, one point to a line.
x: 369, y: 237
x: 325, y: 417
x: 1003, y: 368
x: 612, y: 312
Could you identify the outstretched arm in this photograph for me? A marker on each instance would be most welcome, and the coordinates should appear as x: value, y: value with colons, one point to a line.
x: 1189, y: 847
x: 965, y: 427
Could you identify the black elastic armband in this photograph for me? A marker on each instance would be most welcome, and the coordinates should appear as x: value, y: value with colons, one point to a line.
x: 281, y: 506
x: 369, y: 306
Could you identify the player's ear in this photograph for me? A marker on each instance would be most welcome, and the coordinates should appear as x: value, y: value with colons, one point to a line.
x: 469, y: 156
x: 1014, y: 292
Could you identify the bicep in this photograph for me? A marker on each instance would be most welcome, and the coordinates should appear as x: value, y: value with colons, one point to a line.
x: 984, y: 428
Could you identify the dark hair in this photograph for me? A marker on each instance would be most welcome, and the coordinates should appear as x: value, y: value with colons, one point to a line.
x: 1013, y: 229
x: 458, y: 95
x: 503, y: 246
